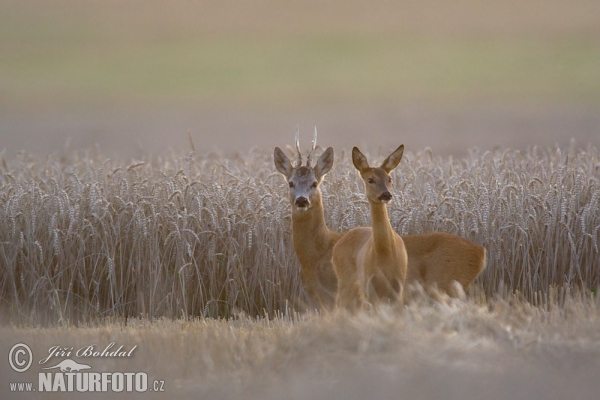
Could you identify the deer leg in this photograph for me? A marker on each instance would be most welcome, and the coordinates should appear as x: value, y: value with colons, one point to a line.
x: 310, y: 282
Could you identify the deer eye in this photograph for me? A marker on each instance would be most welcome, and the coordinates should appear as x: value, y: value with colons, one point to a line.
x: 314, y: 185
x: 291, y: 184
x: 390, y: 180
x: 371, y: 180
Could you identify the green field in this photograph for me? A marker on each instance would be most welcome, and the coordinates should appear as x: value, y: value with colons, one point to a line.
x: 236, y: 75
x: 315, y: 68
x: 85, y: 54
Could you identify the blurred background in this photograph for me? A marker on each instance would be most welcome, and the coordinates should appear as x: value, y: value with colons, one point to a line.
x: 134, y: 77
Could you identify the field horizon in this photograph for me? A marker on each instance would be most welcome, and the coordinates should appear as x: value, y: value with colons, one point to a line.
x: 135, y: 77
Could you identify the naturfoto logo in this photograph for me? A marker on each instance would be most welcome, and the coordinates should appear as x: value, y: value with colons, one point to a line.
x: 68, y: 375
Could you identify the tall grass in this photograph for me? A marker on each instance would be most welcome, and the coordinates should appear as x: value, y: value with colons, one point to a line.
x: 83, y: 237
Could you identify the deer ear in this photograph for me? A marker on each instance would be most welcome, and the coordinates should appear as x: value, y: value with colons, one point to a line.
x: 359, y: 160
x: 390, y: 163
x: 282, y: 163
x: 324, y: 163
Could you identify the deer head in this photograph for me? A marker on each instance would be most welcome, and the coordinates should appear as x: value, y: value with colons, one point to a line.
x: 304, y: 180
x: 377, y: 181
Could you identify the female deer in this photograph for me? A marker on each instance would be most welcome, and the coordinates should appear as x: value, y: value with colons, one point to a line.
x: 371, y: 263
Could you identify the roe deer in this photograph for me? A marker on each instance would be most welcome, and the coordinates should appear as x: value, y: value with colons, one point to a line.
x: 434, y: 260
x: 313, y: 241
x: 371, y: 263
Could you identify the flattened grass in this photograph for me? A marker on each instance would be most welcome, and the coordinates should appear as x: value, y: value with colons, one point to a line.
x: 453, y: 349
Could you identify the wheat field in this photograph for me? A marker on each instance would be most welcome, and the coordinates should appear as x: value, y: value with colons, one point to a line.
x: 84, y: 238
x: 190, y: 257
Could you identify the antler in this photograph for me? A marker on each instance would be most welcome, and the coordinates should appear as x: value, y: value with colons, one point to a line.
x: 299, y: 162
x: 312, y: 150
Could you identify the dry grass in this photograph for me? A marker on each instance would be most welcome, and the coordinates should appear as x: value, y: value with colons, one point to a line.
x: 83, y: 238
x: 505, y: 348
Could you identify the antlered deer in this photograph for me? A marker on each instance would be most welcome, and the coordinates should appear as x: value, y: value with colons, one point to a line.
x: 313, y: 241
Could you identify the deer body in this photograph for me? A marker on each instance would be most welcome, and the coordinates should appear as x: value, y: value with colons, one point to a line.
x: 371, y: 263
x: 440, y: 259
x: 313, y: 243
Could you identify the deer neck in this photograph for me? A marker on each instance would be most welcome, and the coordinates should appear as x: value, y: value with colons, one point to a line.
x: 311, y: 236
x: 383, y: 235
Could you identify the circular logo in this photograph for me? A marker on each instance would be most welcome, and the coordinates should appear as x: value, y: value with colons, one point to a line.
x: 20, y: 357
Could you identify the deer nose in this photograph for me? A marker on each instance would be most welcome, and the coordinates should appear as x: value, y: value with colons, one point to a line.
x: 385, y: 197
x: 302, y: 202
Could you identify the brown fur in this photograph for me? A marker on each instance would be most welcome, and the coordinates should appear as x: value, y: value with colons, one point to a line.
x: 440, y: 259
x: 313, y: 241
x: 370, y: 263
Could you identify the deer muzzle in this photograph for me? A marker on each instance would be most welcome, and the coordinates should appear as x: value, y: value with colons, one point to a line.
x: 385, y: 197
x: 302, y: 203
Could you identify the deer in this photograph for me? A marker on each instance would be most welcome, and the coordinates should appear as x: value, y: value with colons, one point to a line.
x: 313, y: 240
x: 435, y: 260
x: 371, y: 262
